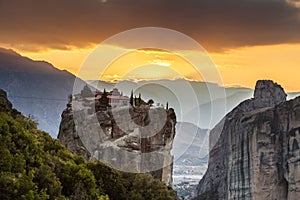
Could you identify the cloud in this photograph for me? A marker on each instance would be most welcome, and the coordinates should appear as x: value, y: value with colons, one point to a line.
x: 294, y: 2
x: 215, y: 24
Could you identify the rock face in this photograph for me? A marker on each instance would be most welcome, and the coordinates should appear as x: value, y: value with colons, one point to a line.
x: 5, y: 103
x: 255, y: 150
x: 68, y: 137
x: 268, y: 93
x: 132, y: 139
x: 36, y: 88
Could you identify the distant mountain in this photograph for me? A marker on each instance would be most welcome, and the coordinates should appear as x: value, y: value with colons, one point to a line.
x: 36, y: 88
x: 191, y: 145
x: 200, y: 103
x: 39, y: 89
x: 210, y: 113
x: 293, y: 95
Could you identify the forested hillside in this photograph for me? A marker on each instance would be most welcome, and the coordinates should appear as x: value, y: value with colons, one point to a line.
x: 35, y: 166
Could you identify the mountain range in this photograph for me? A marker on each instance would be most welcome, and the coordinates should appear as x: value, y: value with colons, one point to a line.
x: 36, y: 88
x: 39, y: 89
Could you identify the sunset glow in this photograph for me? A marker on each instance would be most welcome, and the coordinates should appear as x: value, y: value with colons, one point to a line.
x: 151, y: 64
x: 240, y: 66
x: 249, y: 41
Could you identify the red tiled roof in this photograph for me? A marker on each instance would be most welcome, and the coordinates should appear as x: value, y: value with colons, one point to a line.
x: 117, y: 97
x: 92, y: 98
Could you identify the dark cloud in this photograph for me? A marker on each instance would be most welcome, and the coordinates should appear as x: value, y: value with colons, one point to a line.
x: 216, y: 24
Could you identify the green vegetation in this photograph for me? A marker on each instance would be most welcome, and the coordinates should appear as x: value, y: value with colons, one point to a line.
x: 35, y: 166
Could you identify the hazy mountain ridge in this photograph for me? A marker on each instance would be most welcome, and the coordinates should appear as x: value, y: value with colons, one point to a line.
x: 39, y: 89
x: 188, y: 98
x: 36, y: 88
x: 191, y: 144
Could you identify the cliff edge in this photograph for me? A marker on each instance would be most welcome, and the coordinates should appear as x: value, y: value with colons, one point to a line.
x: 254, y: 150
x: 129, y: 138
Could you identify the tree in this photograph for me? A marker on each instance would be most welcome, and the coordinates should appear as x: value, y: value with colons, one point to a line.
x: 104, y: 101
x: 108, y: 179
x: 150, y: 102
x: 131, y: 98
x: 140, y: 98
x: 70, y: 98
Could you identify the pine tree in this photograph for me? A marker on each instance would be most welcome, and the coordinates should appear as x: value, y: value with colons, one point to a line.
x: 140, y: 98
x: 131, y: 98
x: 104, y: 99
x: 150, y: 102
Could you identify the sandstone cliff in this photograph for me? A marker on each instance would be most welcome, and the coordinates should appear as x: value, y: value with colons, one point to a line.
x: 132, y: 139
x: 255, y: 150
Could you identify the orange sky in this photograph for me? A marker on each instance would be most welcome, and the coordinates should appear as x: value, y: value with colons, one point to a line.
x: 239, y: 66
x: 247, y: 41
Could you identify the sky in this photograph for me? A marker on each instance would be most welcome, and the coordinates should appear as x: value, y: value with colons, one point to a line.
x: 246, y: 39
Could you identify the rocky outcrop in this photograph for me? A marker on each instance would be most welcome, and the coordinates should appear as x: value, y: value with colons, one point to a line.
x: 132, y: 139
x: 5, y: 103
x: 268, y: 93
x: 68, y: 137
x: 255, y: 150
